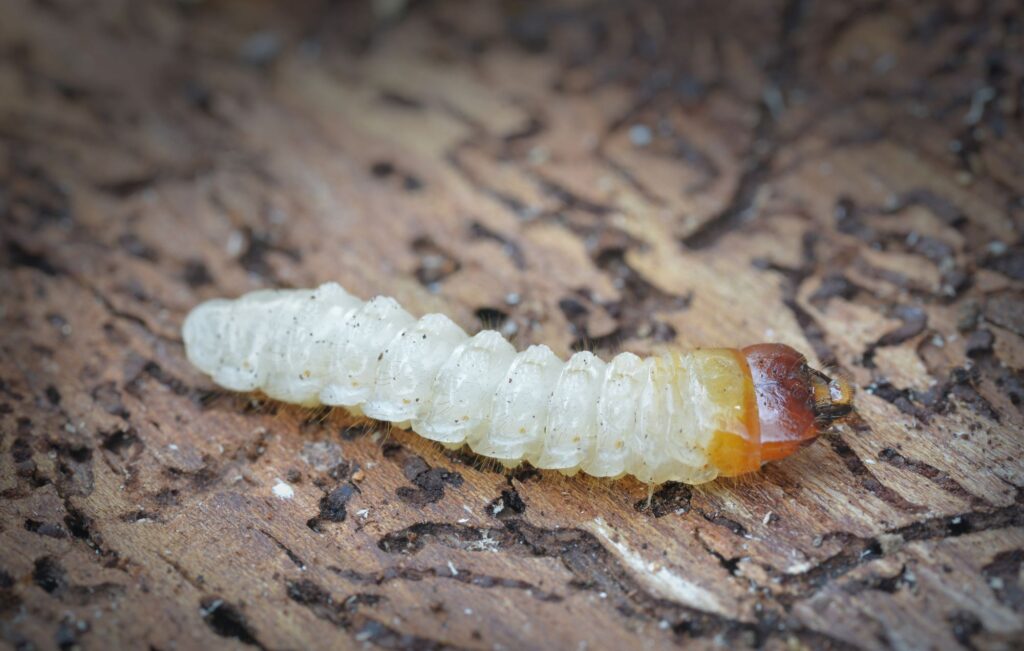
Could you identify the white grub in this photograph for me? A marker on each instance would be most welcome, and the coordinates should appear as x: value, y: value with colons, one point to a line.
x: 326, y: 347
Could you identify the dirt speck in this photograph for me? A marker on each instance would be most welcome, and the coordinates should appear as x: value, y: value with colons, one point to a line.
x: 49, y: 575
x: 429, y: 482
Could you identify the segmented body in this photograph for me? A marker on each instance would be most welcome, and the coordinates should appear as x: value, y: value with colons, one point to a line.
x: 675, y: 417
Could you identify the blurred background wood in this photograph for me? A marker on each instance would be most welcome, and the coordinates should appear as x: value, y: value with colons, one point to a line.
x: 842, y: 177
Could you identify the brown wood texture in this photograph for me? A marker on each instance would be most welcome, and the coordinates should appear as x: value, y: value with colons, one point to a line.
x: 847, y: 178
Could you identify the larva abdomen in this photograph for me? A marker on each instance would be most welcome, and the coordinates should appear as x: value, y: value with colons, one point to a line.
x: 519, y: 413
x: 616, y: 417
x: 352, y: 376
x: 408, y: 367
x: 683, y: 416
x: 570, y: 433
x: 300, y: 358
x: 462, y: 394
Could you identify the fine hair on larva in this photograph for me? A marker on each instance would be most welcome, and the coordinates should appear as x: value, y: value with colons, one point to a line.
x: 682, y: 416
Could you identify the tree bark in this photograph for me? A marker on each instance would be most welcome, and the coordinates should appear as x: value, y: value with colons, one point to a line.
x: 844, y: 178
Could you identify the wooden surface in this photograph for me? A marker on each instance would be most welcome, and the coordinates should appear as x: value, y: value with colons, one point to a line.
x: 846, y: 178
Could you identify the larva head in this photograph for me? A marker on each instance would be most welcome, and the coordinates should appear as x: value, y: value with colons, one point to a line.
x: 795, y: 403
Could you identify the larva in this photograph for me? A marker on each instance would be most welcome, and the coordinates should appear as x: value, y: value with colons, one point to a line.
x: 683, y: 416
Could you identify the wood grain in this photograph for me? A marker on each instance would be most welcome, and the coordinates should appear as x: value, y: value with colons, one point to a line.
x: 845, y: 178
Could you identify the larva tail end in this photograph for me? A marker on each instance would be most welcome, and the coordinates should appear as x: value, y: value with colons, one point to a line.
x: 201, y: 335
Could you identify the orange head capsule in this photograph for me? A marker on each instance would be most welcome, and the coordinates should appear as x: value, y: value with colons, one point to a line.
x: 794, y: 404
